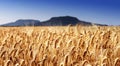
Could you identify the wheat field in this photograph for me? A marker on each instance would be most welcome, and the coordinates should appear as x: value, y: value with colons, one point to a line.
x: 60, y: 46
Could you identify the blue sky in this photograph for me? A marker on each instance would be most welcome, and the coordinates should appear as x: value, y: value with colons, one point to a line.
x: 96, y: 11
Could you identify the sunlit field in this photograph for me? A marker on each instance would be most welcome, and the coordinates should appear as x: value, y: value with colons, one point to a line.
x: 60, y: 46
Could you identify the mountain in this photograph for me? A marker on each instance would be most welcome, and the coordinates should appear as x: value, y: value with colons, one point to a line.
x: 54, y: 21
x: 64, y: 21
x: 21, y: 22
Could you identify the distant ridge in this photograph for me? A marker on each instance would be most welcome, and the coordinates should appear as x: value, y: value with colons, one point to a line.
x: 54, y: 21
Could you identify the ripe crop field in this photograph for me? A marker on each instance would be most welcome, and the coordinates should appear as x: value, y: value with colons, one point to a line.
x: 60, y: 46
